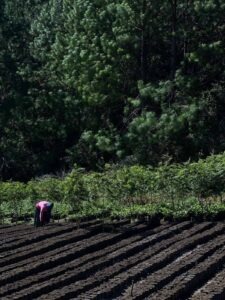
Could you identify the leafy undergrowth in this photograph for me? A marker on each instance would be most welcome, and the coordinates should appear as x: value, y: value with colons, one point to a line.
x: 173, y: 192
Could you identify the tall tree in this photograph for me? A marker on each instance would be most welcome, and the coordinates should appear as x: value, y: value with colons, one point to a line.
x: 90, y: 82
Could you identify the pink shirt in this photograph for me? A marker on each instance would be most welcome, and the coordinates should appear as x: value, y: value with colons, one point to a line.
x: 42, y: 205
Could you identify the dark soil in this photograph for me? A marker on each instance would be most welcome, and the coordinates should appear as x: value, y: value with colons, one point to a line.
x: 118, y: 260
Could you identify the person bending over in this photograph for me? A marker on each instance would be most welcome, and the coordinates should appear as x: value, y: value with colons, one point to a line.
x: 42, y: 213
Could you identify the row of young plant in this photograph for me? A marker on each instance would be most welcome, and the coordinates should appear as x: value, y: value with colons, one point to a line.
x: 169, y: 191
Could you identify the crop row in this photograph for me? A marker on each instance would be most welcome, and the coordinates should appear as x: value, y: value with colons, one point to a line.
x: 114, y: 261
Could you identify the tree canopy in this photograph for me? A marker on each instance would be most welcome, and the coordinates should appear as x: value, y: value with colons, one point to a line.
x: 90, y: 82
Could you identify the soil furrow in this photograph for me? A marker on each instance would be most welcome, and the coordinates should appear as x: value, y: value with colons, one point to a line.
x: 40, y: 235
x: 63, y: 257
x: 115, y: 264
x: 115, y: 260
x: 113, y: 287
x: 51, y: 230
x: 124, y: 239
x: 157, y: 280
x: 213, y: 289
x: 171, y: 231
x: 38, y: 248
x: 183, y: 286
x: 49, y: 249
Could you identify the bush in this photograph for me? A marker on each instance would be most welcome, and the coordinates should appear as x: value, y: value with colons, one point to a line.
x: 174, y: 191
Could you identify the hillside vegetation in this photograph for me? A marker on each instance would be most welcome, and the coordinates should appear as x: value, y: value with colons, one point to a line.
x: 121, y: 102
x: 126, y: 82
x: 174, y: 192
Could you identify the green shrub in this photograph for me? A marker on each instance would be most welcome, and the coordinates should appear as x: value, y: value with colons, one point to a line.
x: 173, y: 191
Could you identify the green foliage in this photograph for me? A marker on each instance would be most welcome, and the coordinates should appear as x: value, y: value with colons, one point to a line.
x: 175, y: 191
x: 45, y: 188
x: 74, y: 190
x: 14, y: 194
x: 93, y: 82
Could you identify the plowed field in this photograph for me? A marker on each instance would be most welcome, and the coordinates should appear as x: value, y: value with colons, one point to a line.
x: 113, y: 261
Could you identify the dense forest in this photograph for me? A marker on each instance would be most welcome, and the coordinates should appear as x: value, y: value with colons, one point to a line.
x: 90, y: 82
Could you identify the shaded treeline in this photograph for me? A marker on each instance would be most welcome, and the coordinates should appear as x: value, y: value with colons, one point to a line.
x: 93, y: 82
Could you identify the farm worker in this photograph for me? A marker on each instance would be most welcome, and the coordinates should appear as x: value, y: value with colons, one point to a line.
x: 42, y: 213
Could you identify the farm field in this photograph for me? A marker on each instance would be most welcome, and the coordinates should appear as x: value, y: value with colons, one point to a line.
x: 118, y: 260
